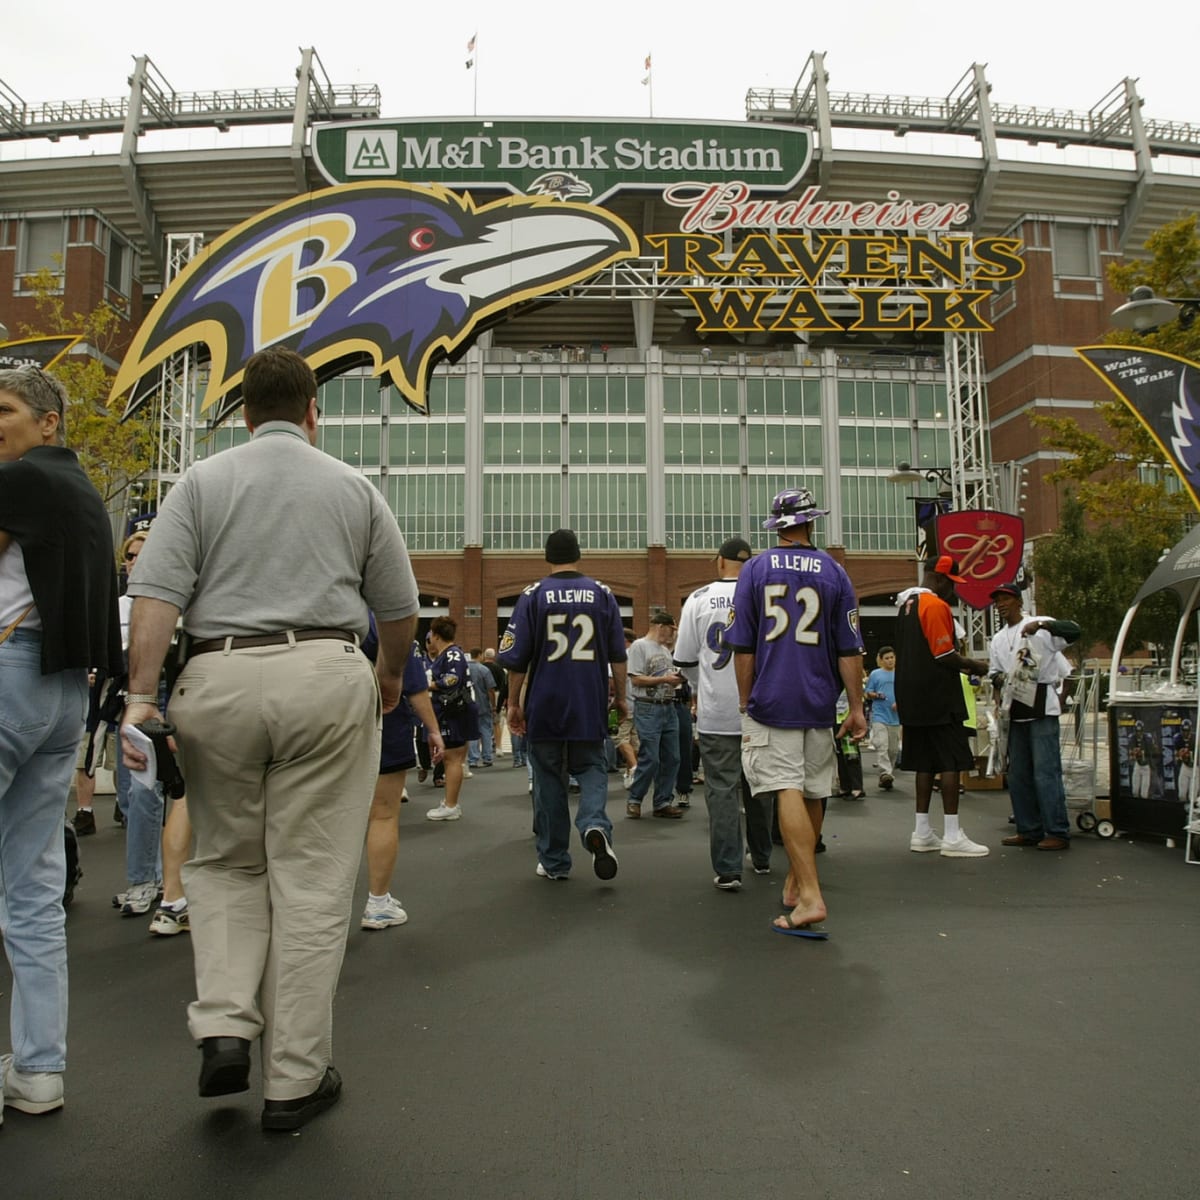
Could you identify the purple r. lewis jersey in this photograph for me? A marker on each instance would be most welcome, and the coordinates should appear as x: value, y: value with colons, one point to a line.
x: 564, y: 633
x: 795, y: 610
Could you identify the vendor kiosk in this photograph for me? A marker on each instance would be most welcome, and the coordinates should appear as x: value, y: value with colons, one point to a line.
x: 1152, y: 732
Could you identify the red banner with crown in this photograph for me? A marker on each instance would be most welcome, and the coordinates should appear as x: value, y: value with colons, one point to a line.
x: 987, y: 546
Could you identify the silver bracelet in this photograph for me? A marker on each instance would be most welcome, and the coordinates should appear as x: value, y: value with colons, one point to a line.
x: 141, y: 698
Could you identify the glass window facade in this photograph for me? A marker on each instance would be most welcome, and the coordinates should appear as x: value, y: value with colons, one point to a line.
x: 520, y: 509
x: 608, y: 511
x: 429, y: 509
x: 512, y: 450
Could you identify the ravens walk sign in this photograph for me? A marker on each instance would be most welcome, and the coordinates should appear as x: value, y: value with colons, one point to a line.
x: 385, y: 273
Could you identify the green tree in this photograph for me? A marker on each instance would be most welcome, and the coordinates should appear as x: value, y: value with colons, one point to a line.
x: 1124, y: 506
x: 1090, y: 574
x: 113, y: 454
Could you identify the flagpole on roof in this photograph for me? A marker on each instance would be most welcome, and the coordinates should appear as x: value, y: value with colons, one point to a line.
x: 473, y: 65
x: 648, y: 82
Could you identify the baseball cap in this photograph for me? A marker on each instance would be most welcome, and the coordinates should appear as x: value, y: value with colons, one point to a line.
x: 661, y: 617
x: 945, y: 565
x: 735, y: 549
x: 1006, y: 589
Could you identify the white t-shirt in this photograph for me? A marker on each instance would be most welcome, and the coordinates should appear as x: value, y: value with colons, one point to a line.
x: 704, y: 659
x: 15, y: 593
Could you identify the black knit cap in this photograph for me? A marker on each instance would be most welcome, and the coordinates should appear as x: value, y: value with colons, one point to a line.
x: 562, y: 546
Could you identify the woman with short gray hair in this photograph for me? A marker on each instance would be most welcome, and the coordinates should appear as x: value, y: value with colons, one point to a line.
x: 58, y: 617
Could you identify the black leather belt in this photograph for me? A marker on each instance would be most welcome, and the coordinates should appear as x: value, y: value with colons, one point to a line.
x: 643, y: 700
x: 211, y: 645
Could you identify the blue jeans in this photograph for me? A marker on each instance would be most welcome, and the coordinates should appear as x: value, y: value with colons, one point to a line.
x: 553, y: 763
x: 658, y: 752
x: 518, y: 749
x: 41, y: 722
x: 1035, y: 783
x: 482, y: 748
x: 143, y: 809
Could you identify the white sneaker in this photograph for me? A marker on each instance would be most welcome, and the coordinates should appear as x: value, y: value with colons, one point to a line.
x: 383, y: 913
x: 444, y: 813
x: 169, y: 921
x: 963, y: 847
x: 140, y: 898
x: 468, y: 773
x: 37, y: 1092
x: 923, y: 843
x: 544, y: 874
x: 627, y: 778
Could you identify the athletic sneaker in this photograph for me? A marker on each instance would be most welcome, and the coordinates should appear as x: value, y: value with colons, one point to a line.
x: 169, y: 921
x: 35, y: 1092
x: 444, y: 813
x: 886, y: 782
x: 382, y: 914
x: 544, y: 874
x: 118, y: 901
x: 728, y: 883
x: 140, y: 898
x: 604, y: 861
x: 963, y: 847
x: 467, y: 773
x: 84, y: 822
x: 627, y: 778
x: 924, y: 843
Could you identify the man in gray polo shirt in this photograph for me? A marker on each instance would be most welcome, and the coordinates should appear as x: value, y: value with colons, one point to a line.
x: 272, y: 552
x: 654, y: 681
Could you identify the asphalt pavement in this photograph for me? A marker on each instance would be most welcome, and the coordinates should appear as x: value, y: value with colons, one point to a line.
x: 1020, y: 1025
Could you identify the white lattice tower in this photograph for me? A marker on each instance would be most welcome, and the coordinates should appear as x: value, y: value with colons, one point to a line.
x: 177, y: 390
x: 970, y: 446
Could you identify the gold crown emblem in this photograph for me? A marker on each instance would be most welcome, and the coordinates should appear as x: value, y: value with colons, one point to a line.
x: 987, y: 524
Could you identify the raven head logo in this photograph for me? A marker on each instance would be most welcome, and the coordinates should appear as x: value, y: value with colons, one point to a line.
x: 562, y: 185
x: 389, y: 273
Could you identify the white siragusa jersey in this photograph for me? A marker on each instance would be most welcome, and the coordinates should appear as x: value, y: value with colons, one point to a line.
x: 700, y: 650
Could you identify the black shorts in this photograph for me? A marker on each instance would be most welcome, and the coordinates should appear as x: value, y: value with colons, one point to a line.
x: 928, y: 749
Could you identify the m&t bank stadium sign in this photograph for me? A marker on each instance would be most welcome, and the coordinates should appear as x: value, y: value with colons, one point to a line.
x: 586, y: 159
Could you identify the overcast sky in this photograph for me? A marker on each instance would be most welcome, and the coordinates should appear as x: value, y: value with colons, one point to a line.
x: 538, y: 58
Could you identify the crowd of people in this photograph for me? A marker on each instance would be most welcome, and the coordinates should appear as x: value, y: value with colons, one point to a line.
x: 297, y: 712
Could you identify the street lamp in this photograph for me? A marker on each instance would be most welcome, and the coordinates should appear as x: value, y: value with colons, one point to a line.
x: 1145, y: 312
x: 907, y: 473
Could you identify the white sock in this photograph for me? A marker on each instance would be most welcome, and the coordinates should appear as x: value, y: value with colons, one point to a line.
x: 923, y: 829
x: 81, y: 808
x: 952, y: 829
x: 377, y: 900
x: 174, y: 905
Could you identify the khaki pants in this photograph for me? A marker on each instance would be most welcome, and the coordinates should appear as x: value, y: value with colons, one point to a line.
x: 279, y: 746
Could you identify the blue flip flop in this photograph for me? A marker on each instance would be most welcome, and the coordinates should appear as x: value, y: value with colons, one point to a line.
x: 803, y: 931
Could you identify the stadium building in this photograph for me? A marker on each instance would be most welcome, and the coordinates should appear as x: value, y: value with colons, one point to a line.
x: 643, y: 406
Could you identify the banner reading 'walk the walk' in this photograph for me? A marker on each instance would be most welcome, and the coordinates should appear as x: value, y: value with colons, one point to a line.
x: 1164, y: 393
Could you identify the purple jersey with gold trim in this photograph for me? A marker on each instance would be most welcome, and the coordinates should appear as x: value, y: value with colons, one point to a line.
x: 795, y: 610
x: 564, y: 633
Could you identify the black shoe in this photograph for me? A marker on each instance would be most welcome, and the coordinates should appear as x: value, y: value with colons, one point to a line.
x: 119, y: 816
x: 291, y: 1114
x: 84, y: 822
x: 604, y: 861
x: 819, y: 848
x: 226, y: 1066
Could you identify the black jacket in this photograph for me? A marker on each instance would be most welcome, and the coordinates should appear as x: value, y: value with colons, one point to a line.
x: 51, y: 510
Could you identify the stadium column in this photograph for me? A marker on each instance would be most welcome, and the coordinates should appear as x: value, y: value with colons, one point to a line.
x: 831, y: 450
x: 656, y: 451
x: 473, y: 451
